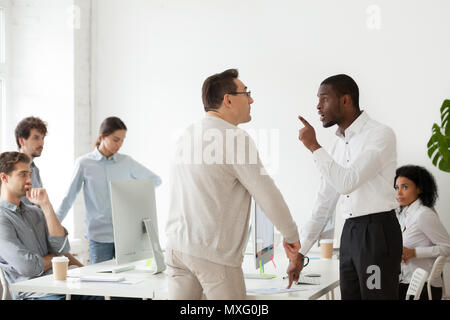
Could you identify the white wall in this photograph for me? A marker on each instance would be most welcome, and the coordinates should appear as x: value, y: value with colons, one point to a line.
x: 41, y: 84
x: 151, y: 58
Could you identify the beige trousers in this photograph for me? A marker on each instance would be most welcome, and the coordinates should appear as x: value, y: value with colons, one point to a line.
x: 191, y: 278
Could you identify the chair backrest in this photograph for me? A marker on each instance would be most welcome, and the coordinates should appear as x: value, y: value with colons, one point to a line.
x: 5, y: 287
x: 416, y: 284
x: 436, y: 272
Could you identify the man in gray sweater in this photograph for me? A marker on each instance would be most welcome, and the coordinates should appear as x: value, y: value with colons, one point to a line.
x: 215, y: 173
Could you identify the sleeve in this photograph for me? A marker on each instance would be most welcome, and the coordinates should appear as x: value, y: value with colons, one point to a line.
x: 432, y: 227
x: 138, y: 171
x: 16, y: 254
x: 380, y: 146
x: 57, y: 245
x: 72, y: 192
x: 253, y: 176
x: 324, y: 208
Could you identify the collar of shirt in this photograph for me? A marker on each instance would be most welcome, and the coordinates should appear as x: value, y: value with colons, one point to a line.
x: 355, y: 127
x: 10, y: 206
x: 406, y: 214
x: 412, y: 207
x: 99, y: 156
x: 210, y: 117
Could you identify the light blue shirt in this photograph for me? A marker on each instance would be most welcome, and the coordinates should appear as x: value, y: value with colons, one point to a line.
x: 94, y: 172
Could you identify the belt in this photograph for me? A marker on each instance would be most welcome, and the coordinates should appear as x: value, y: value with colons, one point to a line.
x: 379, y: 216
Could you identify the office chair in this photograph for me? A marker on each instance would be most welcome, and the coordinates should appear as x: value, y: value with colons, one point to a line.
x: 5, y: 287
x: 436, y: 272
x: 416, y: 284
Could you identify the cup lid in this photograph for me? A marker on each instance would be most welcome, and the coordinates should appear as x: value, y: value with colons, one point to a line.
x: 326, y: 241
x: 60, y: 259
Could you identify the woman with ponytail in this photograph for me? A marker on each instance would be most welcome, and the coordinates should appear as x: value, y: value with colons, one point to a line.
x: 93, y: 172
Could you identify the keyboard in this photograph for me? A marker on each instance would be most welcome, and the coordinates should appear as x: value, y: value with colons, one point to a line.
x: 308, y: 280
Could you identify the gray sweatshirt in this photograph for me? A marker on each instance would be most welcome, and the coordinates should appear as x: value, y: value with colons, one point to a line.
x: 215, y: 172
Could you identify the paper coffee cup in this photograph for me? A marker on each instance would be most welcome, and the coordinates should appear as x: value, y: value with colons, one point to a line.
x: 326, y: 248
x: 60, y: 265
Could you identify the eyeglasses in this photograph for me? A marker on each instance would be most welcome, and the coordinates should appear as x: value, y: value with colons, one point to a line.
x: 247, y: 93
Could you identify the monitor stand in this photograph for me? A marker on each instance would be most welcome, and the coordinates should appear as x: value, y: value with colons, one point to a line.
x: 158, y: 258
x: 264, y: 276
x: 118, y: 269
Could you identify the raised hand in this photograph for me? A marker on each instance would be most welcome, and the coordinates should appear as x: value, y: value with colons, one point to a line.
x: 38, y: 196
x: 307, y: 135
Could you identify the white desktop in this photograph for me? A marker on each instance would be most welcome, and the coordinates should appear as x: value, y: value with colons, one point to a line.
x: 135, y: 225
x: 262, y: 246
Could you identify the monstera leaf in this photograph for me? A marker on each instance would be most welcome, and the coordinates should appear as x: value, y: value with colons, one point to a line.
x: 439, y: 143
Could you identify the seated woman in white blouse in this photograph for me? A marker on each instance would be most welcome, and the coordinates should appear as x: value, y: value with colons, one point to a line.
x: 424, y: 236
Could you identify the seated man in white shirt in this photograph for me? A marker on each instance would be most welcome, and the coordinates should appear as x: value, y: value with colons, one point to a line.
x: 358, y: 172
x: 424, y: 236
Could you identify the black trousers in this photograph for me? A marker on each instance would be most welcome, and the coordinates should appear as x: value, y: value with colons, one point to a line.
x: 370, y: 257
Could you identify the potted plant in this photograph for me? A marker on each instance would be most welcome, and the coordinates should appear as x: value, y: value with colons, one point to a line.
x: 439, y: 143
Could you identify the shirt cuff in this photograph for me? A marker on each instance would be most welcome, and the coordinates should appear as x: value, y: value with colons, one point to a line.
x: 59, y: 245
x: 424, y: 252
x: 306, y: 245
x: 41, y: 266
x: 321, y: 155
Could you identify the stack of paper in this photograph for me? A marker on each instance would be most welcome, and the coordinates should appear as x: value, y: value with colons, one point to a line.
x: 102, y: 278
x: 270, y: 291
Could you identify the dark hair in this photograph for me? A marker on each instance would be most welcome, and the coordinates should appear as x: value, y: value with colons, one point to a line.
x: 24, y: 127
x: 343, y: 84
x: 216, y: 86
x: 8, y: 161
x: 108, y: 127
x: 423, y: 179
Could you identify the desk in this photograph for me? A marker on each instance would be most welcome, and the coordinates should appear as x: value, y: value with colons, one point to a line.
x: 329, y: 269
x: 155, y: 286
x: 145, y: 289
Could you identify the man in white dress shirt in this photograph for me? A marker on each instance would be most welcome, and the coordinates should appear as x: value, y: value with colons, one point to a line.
x: 358, y: 172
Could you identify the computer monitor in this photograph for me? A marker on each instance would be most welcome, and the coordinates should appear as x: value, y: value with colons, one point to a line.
x: 263, y: 237
x: 135, y: 222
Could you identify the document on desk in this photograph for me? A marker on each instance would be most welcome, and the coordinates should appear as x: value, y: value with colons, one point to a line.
x: 270, y: 291
x: 117, y: 280
x: 102, y: 278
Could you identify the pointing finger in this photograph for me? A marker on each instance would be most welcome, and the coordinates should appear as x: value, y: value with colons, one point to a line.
x: 305, y: 123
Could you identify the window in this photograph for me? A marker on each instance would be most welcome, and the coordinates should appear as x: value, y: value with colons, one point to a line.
x: 3, y: 72
x: 2, y: 35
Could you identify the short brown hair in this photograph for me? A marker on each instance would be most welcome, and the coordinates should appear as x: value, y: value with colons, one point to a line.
x: 24, y: 127
x: 8, y: 161
x: 216, y: 86
x: 108, y: 127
